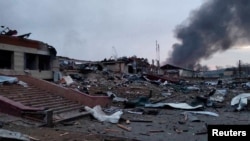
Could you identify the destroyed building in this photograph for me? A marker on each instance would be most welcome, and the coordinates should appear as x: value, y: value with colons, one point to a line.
x: 19, y: 56
x: 176, y: 72
x: 115, y: 66
x: 131, y: 65
x: 128, y: 65
x: 25, y: 67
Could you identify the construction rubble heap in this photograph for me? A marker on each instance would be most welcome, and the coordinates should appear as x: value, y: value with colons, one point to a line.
x: 142, y: 108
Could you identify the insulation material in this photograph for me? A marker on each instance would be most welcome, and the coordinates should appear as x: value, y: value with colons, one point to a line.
x: 67, y: 79
x: 8, y: 79
x: 240, y: 100
x: 103, y: 117
x: 184, y: 106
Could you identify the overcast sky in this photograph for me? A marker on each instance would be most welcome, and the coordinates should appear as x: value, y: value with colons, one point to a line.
x: 89, y: 29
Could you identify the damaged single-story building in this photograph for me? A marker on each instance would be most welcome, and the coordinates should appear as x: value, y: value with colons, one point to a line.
x: 213, y: 73
x: 127, y: 65
x: 175, y: 71
x: 115, y: 66
x: 19, y: 56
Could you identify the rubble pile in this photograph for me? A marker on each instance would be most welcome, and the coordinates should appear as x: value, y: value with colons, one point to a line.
x: 143, y: 108
x: 135, y: 86
x: 138, y: 100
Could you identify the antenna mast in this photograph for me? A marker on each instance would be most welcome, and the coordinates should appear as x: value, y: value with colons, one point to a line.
x: 157, y: 56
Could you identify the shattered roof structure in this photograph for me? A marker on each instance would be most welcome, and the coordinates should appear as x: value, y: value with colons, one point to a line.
x: 20, y: 55
x: 18, y: 41
x: 169, y: 66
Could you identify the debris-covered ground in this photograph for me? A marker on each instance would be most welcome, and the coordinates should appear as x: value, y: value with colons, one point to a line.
x: 144, y: 109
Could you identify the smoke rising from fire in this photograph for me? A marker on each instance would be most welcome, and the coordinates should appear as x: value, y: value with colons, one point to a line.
x: 216, y: 26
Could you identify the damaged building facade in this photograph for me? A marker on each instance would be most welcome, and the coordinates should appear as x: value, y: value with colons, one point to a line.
x: 130, y: 65
x: 19, y: 56
x: 176, y: 72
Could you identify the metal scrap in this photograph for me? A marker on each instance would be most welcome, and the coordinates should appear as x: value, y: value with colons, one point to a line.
x: 7, y: 135
x: 240, y: 101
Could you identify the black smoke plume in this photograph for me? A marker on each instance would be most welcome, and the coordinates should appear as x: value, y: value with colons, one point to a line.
x: 216, y: 26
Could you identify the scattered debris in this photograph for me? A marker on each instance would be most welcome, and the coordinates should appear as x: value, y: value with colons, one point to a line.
x: 166, y: 94
x: 240, y: 101
x: 112, y: 130
x: 141, y: 101
x: 22, y: 83
x: 116, y: 98
x: 8, y: 79
x: 218, y: 96
x: 201, y: 133
x: 7, y: 135
x: 140, y: 120
x: 177, y: 130
x: 202, y: 113
x: 63, y: 134
x: 135, y: 112
x: 155, y: 131
x: 127, y: 121
x: 66, y: 80
x: 189, y: 115
x: 33, y: 138
x: 101, y: 116
x: 193, y: 88
x: 124, y: 127
x: 129, y: 94
x: 173, y: 105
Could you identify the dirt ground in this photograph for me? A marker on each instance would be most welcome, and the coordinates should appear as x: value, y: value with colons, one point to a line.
x: 154, y: 124
x: 169, y: 124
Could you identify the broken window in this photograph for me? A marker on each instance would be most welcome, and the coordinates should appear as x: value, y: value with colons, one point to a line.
x: 30, y: 61
x: 6, y: 59
x: 44, y: 62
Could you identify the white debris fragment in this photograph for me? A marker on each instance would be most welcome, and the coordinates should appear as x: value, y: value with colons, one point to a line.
x: 8, y: 79
x: 202, y: 113
x: 174, y: 105
x: 193, y: 88
x: 116, y: 98
x: 166, y: 94
x: 101, y: 116
x: 22, y: 83
x: 241, y: 100
x: 10, y: 135
x: 219, y: 95
x: 68, y: 80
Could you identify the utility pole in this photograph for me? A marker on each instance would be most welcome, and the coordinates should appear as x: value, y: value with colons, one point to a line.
x: 158, y: 57
x: 240, y: 69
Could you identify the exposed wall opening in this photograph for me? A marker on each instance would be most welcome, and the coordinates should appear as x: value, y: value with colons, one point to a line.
x: 6, y: 59
x: 31, y: 61
x: 130, y: 69
x: 44, y: 62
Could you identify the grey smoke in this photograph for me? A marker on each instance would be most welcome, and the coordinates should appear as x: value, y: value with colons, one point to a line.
x: 216, y: 26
